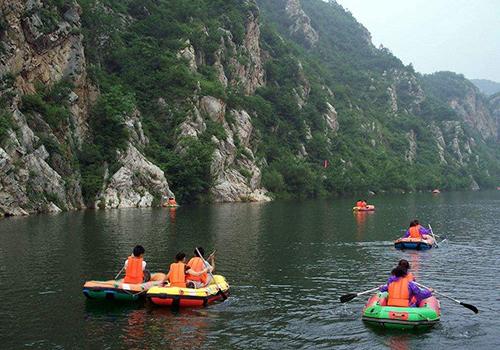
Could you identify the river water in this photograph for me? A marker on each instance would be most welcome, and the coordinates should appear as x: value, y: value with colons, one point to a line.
x: 287, y: 263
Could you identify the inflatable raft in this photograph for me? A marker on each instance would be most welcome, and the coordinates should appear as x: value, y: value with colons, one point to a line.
x: 189, y: 297
x: 426, y: 315
x: 369, y: 207
x: 117, y: 290
x: 414, y: 243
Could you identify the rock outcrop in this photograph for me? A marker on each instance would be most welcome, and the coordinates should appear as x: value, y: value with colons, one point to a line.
x: 236, y: 175
x: 300, y: 23
x: 137, y: 184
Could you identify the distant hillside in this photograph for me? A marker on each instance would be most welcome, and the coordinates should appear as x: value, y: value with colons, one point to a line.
x: 487, y: 87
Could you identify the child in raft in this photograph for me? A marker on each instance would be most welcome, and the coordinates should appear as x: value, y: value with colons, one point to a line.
x: 135, y: 267
x: 402, y: 291
x: 179, y: 270
x: 197, y: 264
x: 416, y: 231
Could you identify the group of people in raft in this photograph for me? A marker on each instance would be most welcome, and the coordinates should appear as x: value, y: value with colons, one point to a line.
x: 194, y: 274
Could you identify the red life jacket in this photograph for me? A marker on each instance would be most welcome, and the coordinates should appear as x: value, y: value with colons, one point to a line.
x: 399, y: 293
x: 177, y: 275
x: 359, y: 204
x: 415, y: 232
x: 133, y: 272
x: 196, y: 264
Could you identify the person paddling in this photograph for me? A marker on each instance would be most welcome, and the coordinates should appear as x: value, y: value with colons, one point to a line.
x: 416, y: 231
x: 197, y: 264
x: 178, y: 271
x: 135, y: 267
x: 401, y: 290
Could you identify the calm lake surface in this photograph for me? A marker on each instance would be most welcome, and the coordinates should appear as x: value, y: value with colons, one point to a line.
x: 287, y: 263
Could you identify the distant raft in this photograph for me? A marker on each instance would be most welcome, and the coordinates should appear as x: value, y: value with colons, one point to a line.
x: 369, y: 207
x: 189, y: 297
x: 426, y: 315
x: 117, y: 290
x: 414, y: 243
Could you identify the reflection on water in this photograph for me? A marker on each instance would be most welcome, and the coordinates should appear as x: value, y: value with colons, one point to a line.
x: 287, y: 264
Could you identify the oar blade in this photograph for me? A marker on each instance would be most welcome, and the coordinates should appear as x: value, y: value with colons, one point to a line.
x: 347, y: 297
x: 470, y: 307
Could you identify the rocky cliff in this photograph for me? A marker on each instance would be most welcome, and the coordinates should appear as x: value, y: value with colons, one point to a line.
x: 46, y: 105
x: 102, y: 101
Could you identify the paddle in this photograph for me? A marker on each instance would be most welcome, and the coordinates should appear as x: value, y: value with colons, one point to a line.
x: 468, y: 306
x: 224, y: 296
x: 348, y: 297
x: 119, y: 273
x: 435, y: 239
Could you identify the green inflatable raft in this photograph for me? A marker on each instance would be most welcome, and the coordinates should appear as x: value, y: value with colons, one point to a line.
x: 376, y: 312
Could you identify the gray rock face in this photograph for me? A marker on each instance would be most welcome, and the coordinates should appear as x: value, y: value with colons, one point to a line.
x: 231, y: 70
x: 301, y: 23
x: 237, y: 177
x: 411, y: 153
x: 136, y: 184
x: 473, y: 109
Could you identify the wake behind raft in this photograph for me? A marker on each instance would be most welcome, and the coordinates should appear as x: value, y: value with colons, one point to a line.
x: 157, y: 293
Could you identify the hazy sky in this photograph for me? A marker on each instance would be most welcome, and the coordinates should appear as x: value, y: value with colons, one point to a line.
x: 456, y: 35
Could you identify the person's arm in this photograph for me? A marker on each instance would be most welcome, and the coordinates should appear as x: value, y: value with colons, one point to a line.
x: 424, y: 231
x: 144, y: 265
x: 385, y: 287
x: 419, y: 293
x: 407, y: 234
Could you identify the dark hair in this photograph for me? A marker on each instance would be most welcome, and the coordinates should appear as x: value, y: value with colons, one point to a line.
x: 416, y: 222
x: 138, y: 250
x: 180, y: 256
x: 404, y: 263
x: 412, y: 223
x: 201, y: 250
x: 399, y: 271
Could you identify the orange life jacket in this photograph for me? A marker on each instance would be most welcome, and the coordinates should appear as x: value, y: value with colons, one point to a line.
x: 172, y: 202
x: 415, y: 232
x: 177, y: 275
x: 363, y: 204
x: 133, y: 272
x: 196, y: 264
x: 399, y: 293
x: 359, y: 204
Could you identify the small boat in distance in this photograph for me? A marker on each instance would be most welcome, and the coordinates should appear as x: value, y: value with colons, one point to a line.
x: 436, y: 191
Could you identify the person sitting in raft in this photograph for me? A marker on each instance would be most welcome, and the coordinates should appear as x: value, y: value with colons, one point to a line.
x: 197, y: 264
x: 171, y: 201
x: 416, y: 231
x: 135, y: 267
x: 360, y: 203
x: 401, y: 290
x: 178, y: 271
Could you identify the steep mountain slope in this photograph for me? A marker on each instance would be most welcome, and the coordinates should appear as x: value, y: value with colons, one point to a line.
x: 103, y: 101
x: 487, y: 87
